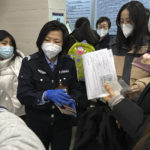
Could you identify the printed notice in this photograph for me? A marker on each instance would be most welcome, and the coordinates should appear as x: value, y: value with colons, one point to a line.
x: 99, y: 68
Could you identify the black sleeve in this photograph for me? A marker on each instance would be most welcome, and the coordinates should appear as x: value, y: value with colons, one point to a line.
x: 26, y: 92
x: 130, y: 116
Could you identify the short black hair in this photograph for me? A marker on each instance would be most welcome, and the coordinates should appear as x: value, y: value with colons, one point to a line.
x: 53, y: 26
x: 102, y: 19
x: 4, y: 34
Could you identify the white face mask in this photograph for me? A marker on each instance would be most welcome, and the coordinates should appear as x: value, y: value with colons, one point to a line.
x: 127, y: 29
x: 102, y: 32
x: 51, y: 50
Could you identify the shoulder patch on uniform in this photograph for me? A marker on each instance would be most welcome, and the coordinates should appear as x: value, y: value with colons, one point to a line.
x: 33, y: 56
x: 28, y: 57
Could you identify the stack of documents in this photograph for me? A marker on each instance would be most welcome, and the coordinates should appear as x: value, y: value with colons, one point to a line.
x: 99, y: 68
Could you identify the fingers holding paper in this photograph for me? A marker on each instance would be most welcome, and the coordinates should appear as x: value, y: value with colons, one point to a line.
x: 110, y: 91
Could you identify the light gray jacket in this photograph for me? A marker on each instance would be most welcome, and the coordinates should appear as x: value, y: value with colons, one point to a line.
x: 15, y: 135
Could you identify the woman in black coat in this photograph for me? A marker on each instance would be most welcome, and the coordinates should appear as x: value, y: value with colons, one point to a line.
x: 133, y: 117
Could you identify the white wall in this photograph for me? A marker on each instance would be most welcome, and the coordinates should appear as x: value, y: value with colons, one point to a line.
x: 25, y: 18
x: 57, y: 6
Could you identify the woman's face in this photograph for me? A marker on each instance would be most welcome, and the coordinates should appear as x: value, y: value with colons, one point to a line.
x: 125, y: 17
x: 6, y: 51
x: 54, y: 37
x: 6, y: 42
x: 126, y: 24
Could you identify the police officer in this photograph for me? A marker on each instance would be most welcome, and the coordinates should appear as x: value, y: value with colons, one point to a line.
x: 39, y: 79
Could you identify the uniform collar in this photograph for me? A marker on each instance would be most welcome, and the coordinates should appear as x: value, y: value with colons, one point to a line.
x: 49, y: 62
x: 44, y: 64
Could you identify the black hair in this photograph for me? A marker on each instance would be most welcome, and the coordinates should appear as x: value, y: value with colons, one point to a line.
x: 81, y: 21
x: 102, y: 19
x: 137, y: 14
x: 53, y: 26
x: 4, y: 34
x: 83, y: 31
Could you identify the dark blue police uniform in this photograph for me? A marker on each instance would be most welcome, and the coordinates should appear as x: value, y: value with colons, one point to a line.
x: 46, y: 120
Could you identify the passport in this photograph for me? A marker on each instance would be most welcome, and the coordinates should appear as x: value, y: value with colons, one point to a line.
x: 142, y: 63
x: 68, y: 110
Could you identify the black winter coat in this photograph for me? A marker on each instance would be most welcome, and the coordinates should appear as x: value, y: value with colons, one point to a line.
x: 106, y: 42
x: 97, y: 130
x: 134, y: 117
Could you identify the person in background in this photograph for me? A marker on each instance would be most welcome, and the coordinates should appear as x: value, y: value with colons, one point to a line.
x: 40, y: 77
x: 131, y: 42
x: 103, y: 25
x: 10, y: 62
x: 14, y: 133
x: 83, y: 33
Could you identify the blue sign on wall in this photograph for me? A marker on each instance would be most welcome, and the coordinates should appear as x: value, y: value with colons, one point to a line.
x: 78, y: 8
x: 58, y: 16
x: 146, y: 3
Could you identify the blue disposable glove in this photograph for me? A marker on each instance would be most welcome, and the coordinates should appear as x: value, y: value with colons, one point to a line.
x: 59, y: 97
x: 74, y: 106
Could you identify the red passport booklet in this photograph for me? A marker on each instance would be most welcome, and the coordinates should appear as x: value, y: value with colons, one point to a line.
x: 142, y: 63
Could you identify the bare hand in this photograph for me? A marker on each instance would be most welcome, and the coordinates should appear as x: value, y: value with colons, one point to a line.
x: 110, y: 91
x: 146, y: 56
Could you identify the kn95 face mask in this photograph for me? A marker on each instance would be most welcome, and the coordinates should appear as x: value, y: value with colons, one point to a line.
x: 102, y: 32
x: 127, y: 29
x: 51, y: 50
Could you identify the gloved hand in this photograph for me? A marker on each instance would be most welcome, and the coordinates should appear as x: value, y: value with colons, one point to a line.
x: 59, y: 96
x: 71, y: 109
x: 74, y: 107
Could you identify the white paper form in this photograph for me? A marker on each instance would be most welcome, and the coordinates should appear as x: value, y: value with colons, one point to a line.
x: 99, y: 68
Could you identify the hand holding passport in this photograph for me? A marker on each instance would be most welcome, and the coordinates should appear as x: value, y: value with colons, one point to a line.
x: 68, y: 110
x: 65, y: 109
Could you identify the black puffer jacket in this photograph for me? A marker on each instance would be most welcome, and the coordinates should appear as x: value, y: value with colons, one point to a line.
x: 97, y: 130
